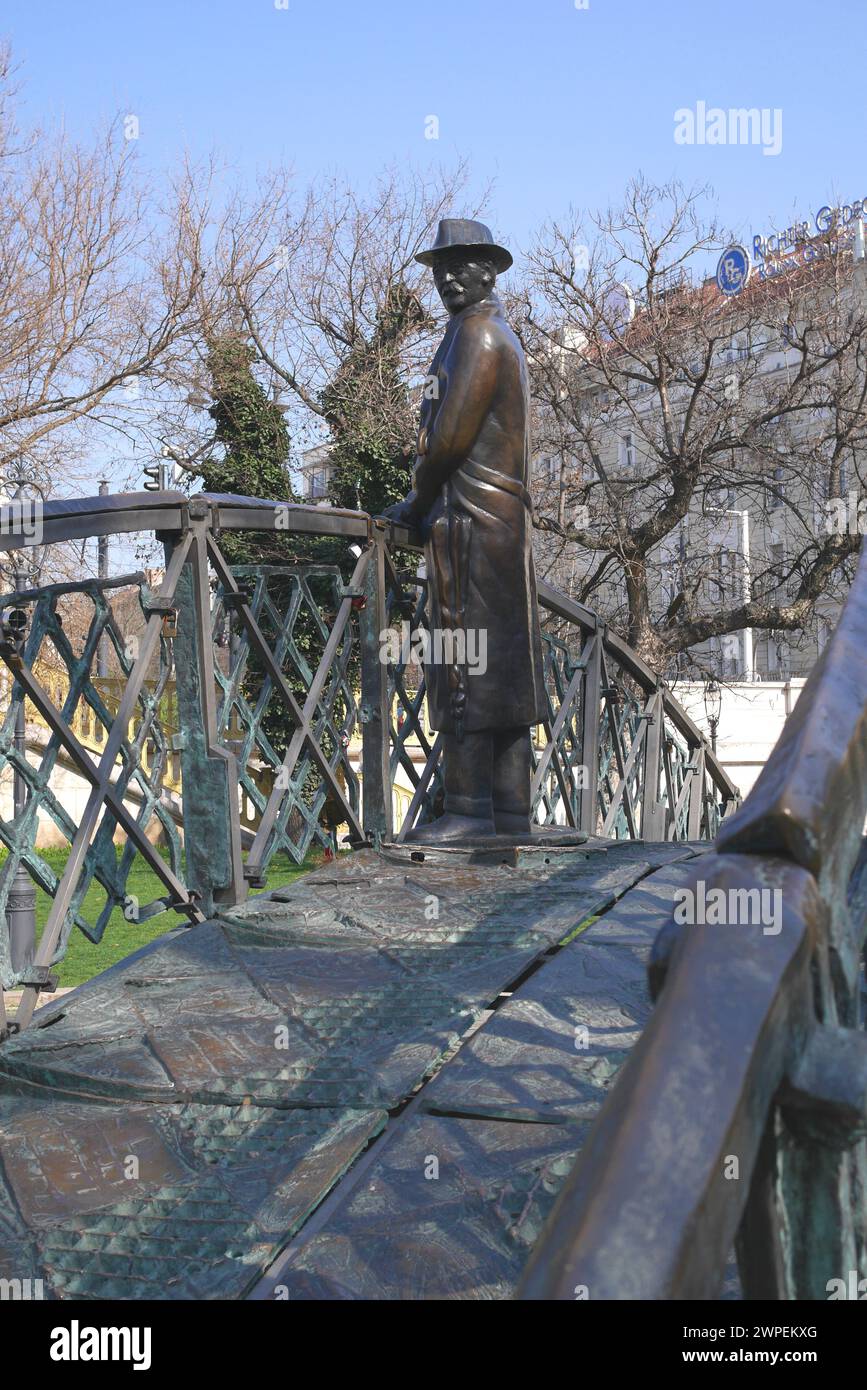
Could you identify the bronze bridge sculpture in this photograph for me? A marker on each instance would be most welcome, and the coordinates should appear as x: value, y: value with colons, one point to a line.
x: 283, y: 1064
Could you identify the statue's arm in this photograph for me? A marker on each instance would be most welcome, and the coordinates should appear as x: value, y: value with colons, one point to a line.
x: 469, y: 383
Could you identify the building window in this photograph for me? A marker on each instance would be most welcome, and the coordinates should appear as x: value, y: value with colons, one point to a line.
x: 774, y: 490
x: 739, y: 348
x: 777, y: 553
x: 730, y: 655
x: 547, y: 466
x: 317, y: 482
x: 721, y: 498
x: 725, y: 565
x: 627, y: 451
x: 672, y: 583
x: 778, y: 654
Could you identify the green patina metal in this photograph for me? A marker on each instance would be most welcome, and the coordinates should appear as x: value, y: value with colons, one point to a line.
x: 246, y: 1063
x: 765, y: 1018
x: 326, y: 1041
x: 287, y: 602
x: 325, y: 681
x: 211, y: 837
x: 46, y: 637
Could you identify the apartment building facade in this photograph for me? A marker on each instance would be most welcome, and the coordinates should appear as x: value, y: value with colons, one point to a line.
x: 755, y: 518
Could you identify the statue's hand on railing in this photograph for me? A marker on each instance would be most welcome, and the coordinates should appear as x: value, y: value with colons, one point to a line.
x: 405, y: 513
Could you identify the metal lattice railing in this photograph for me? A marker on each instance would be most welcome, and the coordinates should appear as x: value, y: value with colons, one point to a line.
x: 295, y: 607
x: 137, y: 776
x: 256, y: 711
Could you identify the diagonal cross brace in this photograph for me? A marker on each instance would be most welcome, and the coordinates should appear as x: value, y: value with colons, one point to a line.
x: 85, y: 765
x: 551, y: 751
x: 303, y: 731
x: 102, y: 793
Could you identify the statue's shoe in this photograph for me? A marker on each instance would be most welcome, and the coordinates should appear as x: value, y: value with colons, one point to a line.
x: 452, y: 830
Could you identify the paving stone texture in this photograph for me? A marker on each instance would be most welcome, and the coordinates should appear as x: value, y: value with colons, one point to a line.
x: 408, y: 1043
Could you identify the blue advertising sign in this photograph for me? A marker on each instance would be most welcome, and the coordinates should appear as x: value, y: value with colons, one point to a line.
x: 733, y: 269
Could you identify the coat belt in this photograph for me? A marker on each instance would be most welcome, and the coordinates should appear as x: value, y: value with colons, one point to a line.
x: 483, y: 474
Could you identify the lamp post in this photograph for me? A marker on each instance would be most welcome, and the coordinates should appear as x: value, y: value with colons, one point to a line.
x: 21, y: 569
x: 712, y: 708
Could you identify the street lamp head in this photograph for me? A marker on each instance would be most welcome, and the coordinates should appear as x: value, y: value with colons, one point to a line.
x: 712, y: 701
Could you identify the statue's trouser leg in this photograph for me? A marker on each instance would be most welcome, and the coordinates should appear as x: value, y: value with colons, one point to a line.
x: 511, y: 780
x: 468, y: 813
x: 468, y: 775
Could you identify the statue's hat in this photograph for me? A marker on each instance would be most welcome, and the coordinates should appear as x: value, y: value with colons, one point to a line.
x: 468, y: 235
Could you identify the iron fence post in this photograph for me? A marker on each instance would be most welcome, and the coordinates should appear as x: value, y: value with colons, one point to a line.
x: 23, y: 573
x: 696, y: 795
x: 653, y: 810
x: 209, y: 772
x: 589, y: 795
x: 375, y: 770
x: 21, y: 902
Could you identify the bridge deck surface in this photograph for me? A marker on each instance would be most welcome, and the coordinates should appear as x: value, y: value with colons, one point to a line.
x: 370, y: 1084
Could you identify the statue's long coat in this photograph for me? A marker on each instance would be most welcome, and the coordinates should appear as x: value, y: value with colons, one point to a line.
x: 474, y: 433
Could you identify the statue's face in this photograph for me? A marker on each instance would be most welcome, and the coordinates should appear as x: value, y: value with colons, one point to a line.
x: 461, y: 280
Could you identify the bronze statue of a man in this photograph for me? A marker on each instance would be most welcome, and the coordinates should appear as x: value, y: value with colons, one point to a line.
x: 471, y: 502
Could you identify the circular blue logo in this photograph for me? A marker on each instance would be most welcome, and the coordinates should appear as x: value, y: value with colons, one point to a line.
x: 733, y: 269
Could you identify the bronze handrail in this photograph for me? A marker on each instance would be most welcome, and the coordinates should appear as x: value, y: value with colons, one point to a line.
x: 741, y: 1112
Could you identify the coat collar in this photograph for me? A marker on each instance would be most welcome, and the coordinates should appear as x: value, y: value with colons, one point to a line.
x: 490, y: 305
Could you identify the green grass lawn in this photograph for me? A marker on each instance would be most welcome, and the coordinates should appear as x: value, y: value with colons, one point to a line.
x: 85, y: 958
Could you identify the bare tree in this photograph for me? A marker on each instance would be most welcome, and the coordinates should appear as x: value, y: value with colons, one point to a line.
x: 705, y: 398
x: 93, y: 290
x: 338, y: 310
x: 322, y: 283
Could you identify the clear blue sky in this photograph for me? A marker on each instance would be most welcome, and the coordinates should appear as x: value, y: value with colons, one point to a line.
x: 557, y: 104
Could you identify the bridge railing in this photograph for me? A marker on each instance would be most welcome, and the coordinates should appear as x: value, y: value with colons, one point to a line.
x: 740, y: 1117
x: 230, y: 728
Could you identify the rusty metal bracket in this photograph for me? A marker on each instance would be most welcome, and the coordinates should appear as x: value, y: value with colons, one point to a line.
x: 39, y: 977
x: 255, y: 875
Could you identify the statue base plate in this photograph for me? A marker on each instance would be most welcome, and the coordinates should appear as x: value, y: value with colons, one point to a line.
x: 500, y: 849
